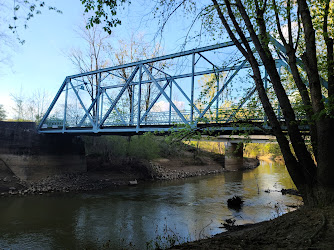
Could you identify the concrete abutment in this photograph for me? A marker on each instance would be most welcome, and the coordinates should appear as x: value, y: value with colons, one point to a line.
x: 33, y: 156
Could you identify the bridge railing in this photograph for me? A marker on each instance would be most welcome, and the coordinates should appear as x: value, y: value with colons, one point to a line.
x: 224, y: 115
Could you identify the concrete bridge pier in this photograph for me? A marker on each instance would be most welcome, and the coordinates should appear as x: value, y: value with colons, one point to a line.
x: 233, y: 156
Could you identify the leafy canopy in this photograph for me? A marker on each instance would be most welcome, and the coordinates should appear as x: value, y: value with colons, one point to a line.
x: 103, y: 11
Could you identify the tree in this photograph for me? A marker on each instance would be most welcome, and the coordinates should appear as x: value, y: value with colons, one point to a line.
x: 36, y: 105
x: 102, y: 11
x: 30, y: 108
x: 93, y: 57
x: 23, y: 11
x: 134, y: 50
x: 19, y: 99
x: 311, y: 179
x: 2, y: 113
x: 312, y: 30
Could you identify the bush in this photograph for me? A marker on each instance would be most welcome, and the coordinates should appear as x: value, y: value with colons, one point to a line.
x: 260, y: 149
x: 145, y: 146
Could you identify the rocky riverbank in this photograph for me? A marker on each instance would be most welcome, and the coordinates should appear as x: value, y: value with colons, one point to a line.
x: 117, y: 172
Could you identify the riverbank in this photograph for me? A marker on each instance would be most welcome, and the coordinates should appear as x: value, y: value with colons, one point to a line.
x: 119, y: 171
x: 305, y: 228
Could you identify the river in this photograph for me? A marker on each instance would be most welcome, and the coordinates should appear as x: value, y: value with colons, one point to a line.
x: 149, y: 213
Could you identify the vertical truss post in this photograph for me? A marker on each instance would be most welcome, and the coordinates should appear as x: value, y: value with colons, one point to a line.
x: 222, y: 88
x: 132, y: 105
x: 153, y: 102
x: 82, y: 105
x: 65, y: 108
x: 139, y: 98
x: 217, y: 103
x: 97, y: 115
x: 102, y: 95
x: 162, y: 91
x: 185, y: 95
x: 170, y: 105
x: 114, y: 103
x: 192, y: 87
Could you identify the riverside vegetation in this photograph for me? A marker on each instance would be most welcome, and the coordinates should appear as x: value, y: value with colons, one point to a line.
x: 116, y: 160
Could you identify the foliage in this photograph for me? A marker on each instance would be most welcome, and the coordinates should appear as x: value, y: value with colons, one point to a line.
x: 303, y: 27
x: 24, y: 11
x: 106, y: 146
x: 262, y: 149
x: 209, y: 146
x: 102, y: 11
x: 2, y: 113
x: 145, y: 146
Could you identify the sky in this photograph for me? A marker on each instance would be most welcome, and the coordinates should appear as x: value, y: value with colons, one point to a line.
x: 41, y: 63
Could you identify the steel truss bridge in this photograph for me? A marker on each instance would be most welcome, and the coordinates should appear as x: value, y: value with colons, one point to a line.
x: 125, y: 99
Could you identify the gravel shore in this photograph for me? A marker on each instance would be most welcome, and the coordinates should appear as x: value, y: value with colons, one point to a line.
x: 111, y: 176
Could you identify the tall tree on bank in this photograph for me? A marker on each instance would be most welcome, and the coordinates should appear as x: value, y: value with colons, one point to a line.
x: 302, y: 28
x: 314, y: 180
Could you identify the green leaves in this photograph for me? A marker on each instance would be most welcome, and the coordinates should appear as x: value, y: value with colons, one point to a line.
x: 23, y: 12
x: 103, y: 12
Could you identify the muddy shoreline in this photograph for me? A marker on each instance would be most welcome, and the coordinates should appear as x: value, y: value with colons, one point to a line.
x: 305, y: 228
x: 117, y: 172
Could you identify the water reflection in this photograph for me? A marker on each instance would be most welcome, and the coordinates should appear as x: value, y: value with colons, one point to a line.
x: 190, y: 208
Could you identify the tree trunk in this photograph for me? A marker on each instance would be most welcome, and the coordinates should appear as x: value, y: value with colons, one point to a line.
x: 301, y: 167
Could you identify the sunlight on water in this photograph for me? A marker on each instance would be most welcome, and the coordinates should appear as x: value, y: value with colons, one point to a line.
x: 133, y: 217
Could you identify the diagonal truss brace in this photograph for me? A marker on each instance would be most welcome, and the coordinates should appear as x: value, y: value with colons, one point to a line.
x: 222, y: 89
x: 113, y: 105
x: 165, y: 95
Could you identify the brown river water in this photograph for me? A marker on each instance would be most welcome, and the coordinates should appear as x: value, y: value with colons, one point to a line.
x: 150, y: 213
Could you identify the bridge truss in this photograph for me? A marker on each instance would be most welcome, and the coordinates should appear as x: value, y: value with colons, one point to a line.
x: 125, y: 99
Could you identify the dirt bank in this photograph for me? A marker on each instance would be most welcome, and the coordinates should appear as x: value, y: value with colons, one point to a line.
x: 301, y: 229
x: 271, y: 158
x: 103, y: 174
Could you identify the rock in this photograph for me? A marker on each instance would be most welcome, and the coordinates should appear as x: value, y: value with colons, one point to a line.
x: 133, y: 183
x: 235, y: 203
x: 290, y: 191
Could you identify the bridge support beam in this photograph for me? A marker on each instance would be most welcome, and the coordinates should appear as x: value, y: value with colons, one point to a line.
x: 233, y: 156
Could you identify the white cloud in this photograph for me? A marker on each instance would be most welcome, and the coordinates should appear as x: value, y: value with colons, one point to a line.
x: 164, y: 106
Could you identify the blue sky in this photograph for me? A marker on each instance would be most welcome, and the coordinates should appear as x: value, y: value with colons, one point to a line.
x: 41, y: 63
